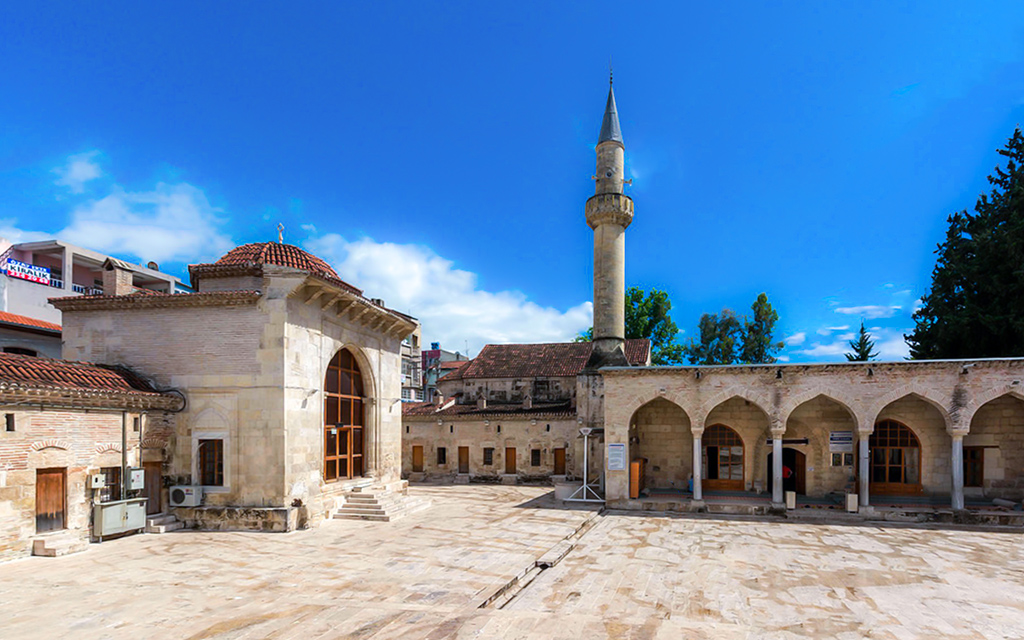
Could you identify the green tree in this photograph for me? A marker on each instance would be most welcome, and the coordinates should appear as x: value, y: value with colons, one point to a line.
x: 757, y: 346
x: 648, y: 316
x: 862, y: 346
x: 975, y: 306
x: 725, y: 339
x: 720, y: 335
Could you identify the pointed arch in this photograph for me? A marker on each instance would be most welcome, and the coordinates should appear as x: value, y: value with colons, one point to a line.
x: 980, y: 399
x: 645, y: 397
x: 660, y: 433
x: 759, y: 400
x: 926, y: 395
x: 792, y: 403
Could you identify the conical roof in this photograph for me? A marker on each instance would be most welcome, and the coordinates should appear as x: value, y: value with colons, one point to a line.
x: 610, y: 131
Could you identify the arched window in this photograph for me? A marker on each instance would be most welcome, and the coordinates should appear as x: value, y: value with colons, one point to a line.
x: 343, y: 418
x: 895, y: 459
x: 723, y: 458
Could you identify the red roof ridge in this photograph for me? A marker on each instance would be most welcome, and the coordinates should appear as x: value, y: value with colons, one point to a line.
x: 26, y: 321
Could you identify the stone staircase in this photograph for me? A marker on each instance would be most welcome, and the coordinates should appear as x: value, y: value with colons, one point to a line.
x: 58, y: 544
x: 380, y: 504
x: 162, y: 523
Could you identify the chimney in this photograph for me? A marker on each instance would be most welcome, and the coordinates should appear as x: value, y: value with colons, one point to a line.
x: 117, y: 278
x: 527, y: 401
x: 438, y: 398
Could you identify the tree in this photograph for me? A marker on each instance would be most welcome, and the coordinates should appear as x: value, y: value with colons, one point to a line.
x: 719, y: 335
x: 725, y: 340
x: 862, y: 346
x: 757, y: 346
x: 975, y: 306
x: 647, y: 316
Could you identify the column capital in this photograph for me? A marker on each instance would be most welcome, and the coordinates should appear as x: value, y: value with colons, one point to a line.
x: 958, y: 432
x: 697, y: 432
x: 777, y: 433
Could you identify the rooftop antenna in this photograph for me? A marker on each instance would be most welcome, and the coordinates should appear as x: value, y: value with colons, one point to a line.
x: 280, y: 233
x: 610, y: 77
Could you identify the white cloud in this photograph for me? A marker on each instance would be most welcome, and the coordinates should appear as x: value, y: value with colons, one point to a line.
x: 446, y: 300
x: 846, y: 336
x: 172, y: 222
x: 80, y: 169
x: 818, y: 350
x: 871, y: 311
x: 796, y: 339
x: 824, y: 331
x: 894, y: 348
x: 783, y: 358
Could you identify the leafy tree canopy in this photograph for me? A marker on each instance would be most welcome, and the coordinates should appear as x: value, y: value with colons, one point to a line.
x: 726, y: 339
x: 647, y: 316
x: 975, y: 306
x: 862, y: 346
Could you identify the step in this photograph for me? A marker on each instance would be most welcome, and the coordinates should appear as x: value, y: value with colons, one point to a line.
x: 160, y: 518
x: 164, y: 528
x: 370, y: 511
x: 56, y: 546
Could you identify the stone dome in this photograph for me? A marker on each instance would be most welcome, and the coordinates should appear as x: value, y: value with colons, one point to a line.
x: 284, y: 255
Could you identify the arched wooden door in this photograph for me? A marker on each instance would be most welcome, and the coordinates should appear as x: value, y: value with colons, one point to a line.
x: 794, y: 471
x: 343, y: 418
x: 895, y: 459
x: 723, y: 459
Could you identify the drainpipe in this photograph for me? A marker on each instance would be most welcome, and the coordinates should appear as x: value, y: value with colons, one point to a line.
x: 125, y: 480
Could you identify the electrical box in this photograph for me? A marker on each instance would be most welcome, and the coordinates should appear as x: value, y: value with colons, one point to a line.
x: 97, y: 480
x: 136, y: 479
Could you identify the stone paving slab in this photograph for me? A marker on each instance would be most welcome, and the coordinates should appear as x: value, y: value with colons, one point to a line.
x: 643, y: 576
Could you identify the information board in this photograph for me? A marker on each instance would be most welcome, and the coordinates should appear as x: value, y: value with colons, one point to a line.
x: 616, y: 456
x: 840, y: 442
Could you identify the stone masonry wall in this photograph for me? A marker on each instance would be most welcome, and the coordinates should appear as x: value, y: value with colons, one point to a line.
x: 661, y: 431
x: 999, y: 427
x: 80, y: 442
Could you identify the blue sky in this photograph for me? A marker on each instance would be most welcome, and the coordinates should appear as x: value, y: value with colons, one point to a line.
x: 440, y: 155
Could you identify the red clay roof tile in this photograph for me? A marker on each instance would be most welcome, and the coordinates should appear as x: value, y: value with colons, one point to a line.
x: 558, y: 359
x: 25, y: 321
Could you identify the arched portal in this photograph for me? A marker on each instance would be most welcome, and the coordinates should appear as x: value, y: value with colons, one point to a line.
x: 659, y: 433
x: 794, y: 471
x: 993, y: 457
x: 343, y: 418
x: 895, y: 459
x: 722, y: 463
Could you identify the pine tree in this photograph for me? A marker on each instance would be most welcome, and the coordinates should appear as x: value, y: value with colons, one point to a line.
x: 757, y: 345
x: 975, y: 306
x: 862, y: 346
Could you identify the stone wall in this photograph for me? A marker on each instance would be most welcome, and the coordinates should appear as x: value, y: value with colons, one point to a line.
x: 661, y: 433
x: 815, y: 420
x: 998, y: 427
x: 75, y: 440
x: 544, y: 434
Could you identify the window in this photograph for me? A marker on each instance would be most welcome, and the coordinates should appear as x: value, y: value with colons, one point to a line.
x: 442, y: 455
x: 974, y: 466
x: 488, y: 456
x: 136, y: 423
x: 343, y: 418
x: 111, y: 484
x: 211, y: 463
x: 9, y: 417
x: 895, y: 457
x: 21, y: 351
x: 534, y: 457
x: 406, y: 394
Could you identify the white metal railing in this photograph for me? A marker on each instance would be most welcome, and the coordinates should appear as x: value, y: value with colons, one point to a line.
x: 56, y: 283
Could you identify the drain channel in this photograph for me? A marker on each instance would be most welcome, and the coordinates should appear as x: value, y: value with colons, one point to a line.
x: 511, y: 589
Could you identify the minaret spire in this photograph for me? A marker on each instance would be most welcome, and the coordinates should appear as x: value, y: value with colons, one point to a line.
x: 609, y: 212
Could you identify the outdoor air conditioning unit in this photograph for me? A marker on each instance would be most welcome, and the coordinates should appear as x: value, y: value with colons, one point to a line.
x: 184, y: 496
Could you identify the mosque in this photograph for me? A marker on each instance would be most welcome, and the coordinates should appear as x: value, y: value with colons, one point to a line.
x: 268, y: 398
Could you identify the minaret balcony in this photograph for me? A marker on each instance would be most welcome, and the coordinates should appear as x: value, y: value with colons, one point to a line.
x: 609, y: 208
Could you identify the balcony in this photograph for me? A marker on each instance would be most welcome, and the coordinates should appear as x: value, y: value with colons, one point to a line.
x: 86, y: 291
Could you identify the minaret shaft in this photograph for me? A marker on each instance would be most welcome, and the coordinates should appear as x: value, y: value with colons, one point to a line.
x: 609, y: 212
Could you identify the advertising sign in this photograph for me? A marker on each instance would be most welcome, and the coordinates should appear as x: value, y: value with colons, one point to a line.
x: 30, y: 272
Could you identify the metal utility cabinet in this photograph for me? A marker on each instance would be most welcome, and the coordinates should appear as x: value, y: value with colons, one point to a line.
x: 119, y: 516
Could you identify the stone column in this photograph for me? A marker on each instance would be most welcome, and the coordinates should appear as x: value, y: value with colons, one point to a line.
x: 698, y: 471
x: 777, y: 497
x: 68, y: 268
x: 958, y: 470
x: 864, y: 462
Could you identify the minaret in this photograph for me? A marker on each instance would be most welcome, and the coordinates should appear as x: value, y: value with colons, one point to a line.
x: 609, y: 212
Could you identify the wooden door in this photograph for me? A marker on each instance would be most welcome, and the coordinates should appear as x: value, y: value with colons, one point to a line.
x: 722, y: 459
x: 463, y: 459
x: 154, y: 487
x: 50, y: 499
x: 559, y: 462
x: 510, y: 460
x: 974, y: 466
x: 417, y: 459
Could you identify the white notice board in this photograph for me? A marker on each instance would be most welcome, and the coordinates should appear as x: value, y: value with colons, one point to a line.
x: 616, y: 456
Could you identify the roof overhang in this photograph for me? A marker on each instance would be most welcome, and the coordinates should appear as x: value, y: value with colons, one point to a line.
x: 347, y: 305
x: 13, y: 393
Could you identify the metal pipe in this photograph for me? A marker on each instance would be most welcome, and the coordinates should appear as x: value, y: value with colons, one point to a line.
x: 125, y: 483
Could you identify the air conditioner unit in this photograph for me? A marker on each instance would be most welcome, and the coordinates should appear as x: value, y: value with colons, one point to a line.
x: 183, y: 496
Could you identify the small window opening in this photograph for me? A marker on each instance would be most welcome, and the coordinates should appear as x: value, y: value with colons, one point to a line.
x: 9, y: 417
x: 534, y: 457
x: 407, y: 428
x: 488, y: 456
x: 442, y: 455
x: 547, y: 427
x: 136, y: 423
x: 211, y: 462
x: 451, y: 428
x: 499, y: 428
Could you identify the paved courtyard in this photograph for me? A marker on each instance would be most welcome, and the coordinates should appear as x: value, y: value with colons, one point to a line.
x: 629, y: 576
